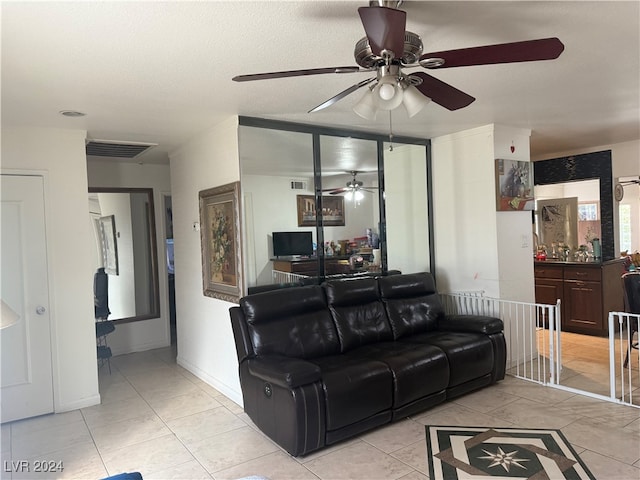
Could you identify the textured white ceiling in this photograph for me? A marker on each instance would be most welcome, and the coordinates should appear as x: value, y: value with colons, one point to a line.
x: 161, y: 71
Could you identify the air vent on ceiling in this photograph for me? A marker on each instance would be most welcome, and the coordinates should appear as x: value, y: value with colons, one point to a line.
x: 110, y: 148
x: 298, y: 185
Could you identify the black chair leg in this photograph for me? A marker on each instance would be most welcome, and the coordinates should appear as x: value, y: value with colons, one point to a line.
x: 631, y: 346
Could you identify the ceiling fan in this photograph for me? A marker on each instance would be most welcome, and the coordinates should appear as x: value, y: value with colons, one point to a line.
x: 353, y: 189
x: 387, y: 48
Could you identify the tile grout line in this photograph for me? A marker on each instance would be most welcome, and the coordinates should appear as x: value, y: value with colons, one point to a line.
x: 165, y: 424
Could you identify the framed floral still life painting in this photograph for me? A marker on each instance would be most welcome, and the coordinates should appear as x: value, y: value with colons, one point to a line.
x: 221, y: 244
x: 514, y: 185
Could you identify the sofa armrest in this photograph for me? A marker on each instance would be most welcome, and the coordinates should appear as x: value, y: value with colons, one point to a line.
x: 284, y: 371
x: 471, y: 323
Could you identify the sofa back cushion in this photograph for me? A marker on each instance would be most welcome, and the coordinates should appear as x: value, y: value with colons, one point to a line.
x: 358, y: 312
x: 412, y: 303
x: 294, y: 322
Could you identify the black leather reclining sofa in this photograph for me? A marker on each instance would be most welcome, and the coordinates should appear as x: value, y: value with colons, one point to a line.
x: 322, y: 363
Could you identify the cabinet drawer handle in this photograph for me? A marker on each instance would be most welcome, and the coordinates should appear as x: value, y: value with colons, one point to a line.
x: 581, y: 274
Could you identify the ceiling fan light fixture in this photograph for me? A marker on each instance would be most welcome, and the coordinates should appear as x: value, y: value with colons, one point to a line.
x: 388, y: 93
x: 366, y: 106
x: 413, y: 100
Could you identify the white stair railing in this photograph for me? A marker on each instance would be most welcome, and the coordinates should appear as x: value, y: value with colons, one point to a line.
x: 624, y: 379
x: 531, y: 331
x: 286, y: 277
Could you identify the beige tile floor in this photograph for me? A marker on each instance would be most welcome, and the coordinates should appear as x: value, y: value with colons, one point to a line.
x: 159, y: 419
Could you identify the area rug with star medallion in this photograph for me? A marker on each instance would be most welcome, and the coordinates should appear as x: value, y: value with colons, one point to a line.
x: 501, y: 453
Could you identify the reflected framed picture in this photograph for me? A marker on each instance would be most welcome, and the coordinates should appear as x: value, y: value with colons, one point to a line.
x: 332, y: 211
x: 221, y: 242
x: 514, y: 185
x: 558, y: 221
x: 109, y: 244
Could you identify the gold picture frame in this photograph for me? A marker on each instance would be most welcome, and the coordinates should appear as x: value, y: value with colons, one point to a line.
x: 221, y: 244
x: 332, y: 211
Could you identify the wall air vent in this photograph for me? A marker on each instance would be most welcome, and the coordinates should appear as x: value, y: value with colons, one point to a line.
x: 298, y: 185
x: 117, y: 149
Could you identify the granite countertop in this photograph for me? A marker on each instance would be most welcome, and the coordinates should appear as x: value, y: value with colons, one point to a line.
x: 556, y: 261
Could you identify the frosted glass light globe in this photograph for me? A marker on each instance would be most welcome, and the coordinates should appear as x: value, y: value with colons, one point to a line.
x: 387, y: 91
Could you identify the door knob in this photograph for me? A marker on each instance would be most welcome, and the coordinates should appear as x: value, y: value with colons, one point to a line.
x: 40, y: 310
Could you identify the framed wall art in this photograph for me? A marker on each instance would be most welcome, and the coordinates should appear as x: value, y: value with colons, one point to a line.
x: 109, y: 244
x: 332, y: 211
x: 514, y: 185
x: 221, y: 242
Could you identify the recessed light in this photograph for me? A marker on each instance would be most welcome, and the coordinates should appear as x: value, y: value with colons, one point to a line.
x: 71, y: 113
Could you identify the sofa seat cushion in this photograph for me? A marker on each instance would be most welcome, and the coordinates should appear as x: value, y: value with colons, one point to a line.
x: 470, y: 355
x: 354, y: 388
x: 419, y: 370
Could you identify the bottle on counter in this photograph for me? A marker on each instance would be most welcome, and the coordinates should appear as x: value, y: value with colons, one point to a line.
x: 597, y: 248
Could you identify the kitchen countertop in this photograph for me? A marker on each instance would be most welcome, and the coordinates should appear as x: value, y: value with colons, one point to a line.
x: 590, y: 263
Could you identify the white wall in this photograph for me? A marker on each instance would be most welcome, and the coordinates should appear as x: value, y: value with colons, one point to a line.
x: 476, y: 247
x: 152, y: 333
x: 60, y: 155
x: 205, y: 339
x: 514, y: 229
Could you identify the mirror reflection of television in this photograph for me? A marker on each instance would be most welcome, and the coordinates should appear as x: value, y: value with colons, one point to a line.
x: 286, y: 244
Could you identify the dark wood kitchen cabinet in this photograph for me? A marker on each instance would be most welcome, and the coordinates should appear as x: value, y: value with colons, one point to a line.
x: 587, y: 292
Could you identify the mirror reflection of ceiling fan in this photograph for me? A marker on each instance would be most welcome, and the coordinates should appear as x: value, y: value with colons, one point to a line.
x: 388, y: 47
x: 353, y: 189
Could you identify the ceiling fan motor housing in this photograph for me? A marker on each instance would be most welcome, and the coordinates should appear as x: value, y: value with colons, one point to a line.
x: 412, y: 51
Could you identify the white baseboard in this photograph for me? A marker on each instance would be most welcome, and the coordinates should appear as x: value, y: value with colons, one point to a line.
x: 226, y: 390
x: 139, y: 348
x: 78, y: 404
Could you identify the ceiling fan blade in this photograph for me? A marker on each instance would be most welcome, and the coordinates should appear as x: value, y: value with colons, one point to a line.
x: 384, y: 28
x: 442, y: 93
x: 295, y: 73
x: 341, y: 95
x: 527, y: 51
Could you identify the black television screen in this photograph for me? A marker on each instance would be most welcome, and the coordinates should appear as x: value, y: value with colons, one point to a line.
x: 292, y: 243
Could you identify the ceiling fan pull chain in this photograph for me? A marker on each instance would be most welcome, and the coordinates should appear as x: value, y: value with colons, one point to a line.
x: 390, y: 133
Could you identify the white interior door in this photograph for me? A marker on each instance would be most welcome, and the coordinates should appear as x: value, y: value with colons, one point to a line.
x: 25, y: 355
